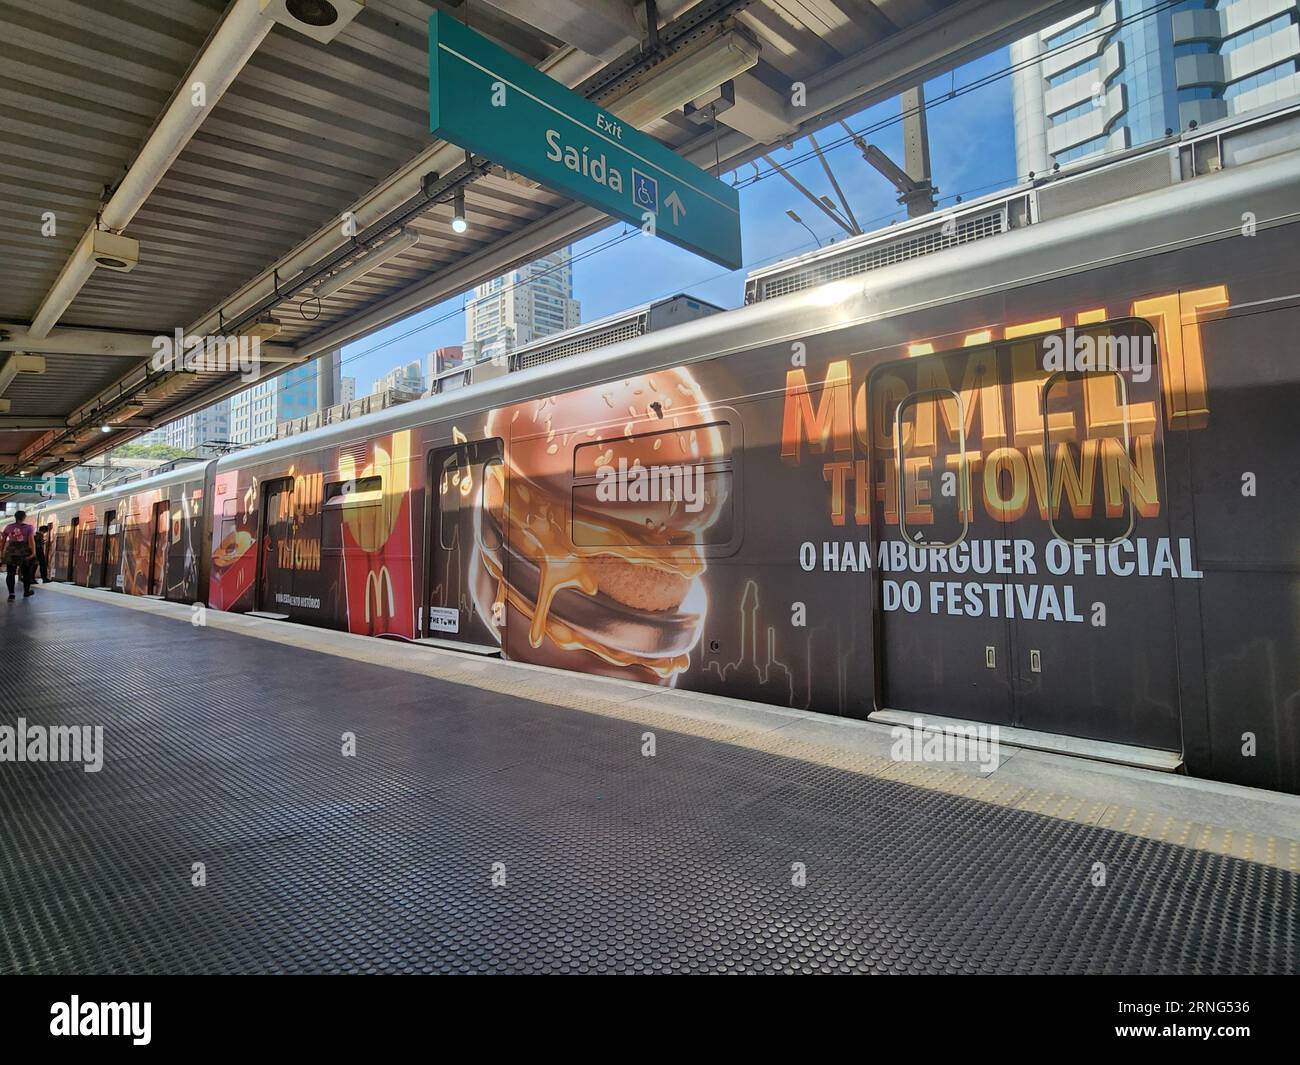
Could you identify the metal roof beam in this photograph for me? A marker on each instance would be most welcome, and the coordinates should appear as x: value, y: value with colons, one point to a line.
x: 74, y: 341
x: 222, y: 58
x: 54, y: 421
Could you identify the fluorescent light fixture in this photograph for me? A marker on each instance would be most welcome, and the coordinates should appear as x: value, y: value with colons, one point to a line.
x: 172, y: 384
x: 687, y: 76
x: 124, y: 413
x: 264, y: 328
x: 105, y: 428
x: 458, y: 223
x: 407, y: 238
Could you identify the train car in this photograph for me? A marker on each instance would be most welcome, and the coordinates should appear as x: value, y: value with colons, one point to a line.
x: 147, y: 537
x: 1032, y: 466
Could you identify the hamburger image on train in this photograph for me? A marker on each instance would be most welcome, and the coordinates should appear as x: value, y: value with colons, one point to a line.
x: 587, y: 538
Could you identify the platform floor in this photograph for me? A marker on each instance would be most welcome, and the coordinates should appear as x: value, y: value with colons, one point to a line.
x: 223, y: 747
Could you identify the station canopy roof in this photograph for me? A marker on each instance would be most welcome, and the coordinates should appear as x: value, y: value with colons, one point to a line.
x: 231, y: 140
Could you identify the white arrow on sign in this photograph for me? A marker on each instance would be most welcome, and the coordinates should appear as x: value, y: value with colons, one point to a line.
x: 674, y: 201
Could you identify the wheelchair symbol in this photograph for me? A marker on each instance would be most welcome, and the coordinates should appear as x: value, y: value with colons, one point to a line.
x: 645, y: 192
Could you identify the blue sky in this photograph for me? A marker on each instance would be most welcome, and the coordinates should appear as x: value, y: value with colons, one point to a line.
x: 972, y: 149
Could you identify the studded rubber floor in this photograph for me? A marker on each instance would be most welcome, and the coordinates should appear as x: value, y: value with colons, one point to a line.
x: 224, y: 750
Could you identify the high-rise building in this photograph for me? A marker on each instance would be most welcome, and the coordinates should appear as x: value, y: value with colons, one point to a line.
x: 202, y: 427
x: 347, y: 389
x: 1123, y: 72
x: 252, y: 413
x: 153, y: 438
x: 406, y: 378
x: 296, y: 392
x: 526, y: 304
x: 256, y: 411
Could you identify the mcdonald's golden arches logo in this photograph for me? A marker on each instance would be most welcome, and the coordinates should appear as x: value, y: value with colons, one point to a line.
x: 378, y: 581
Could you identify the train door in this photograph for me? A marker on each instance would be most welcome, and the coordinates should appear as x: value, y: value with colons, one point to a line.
x: 161, y: 532
x: 110, y: 552
x: 1109, y: 670
x: 1023, y: 504
x: 289, y: 581
x: 83, y: 553
x: 65, y: 553
x: 275, y: 568
x: 926, y: 431
x: 463, y: 523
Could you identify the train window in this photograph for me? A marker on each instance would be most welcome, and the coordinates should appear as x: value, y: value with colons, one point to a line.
x: 493, y: 500
x: 360, y: 498
x: 930, y: 469
x: 657, y: 491
x: 449, y: 474
x: 359, y: 492
x: 228, y: 517
x: 1068, y: 462
x: 460, y: 471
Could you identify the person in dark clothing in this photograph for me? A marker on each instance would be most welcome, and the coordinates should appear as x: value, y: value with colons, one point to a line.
x: 18, y: 548
x: 43, y: 552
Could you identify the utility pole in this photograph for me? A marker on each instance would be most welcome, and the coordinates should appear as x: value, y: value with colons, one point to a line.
x: 916, y: 154
x: 915, y: 188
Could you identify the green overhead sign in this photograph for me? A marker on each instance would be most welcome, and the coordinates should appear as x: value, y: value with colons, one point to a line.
x: 485, y: 100
x: 48, y: 486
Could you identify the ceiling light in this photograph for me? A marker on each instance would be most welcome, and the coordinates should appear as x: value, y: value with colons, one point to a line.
x: 321, y: 20
x: 458, y: 223
x: 687, y: 76
x: 112, y: 251
x: 105, y: 428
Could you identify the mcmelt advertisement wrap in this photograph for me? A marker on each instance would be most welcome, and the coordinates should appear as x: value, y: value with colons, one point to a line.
x: 327, y: 549
x: 755, y: 525
x: 1068, y: 507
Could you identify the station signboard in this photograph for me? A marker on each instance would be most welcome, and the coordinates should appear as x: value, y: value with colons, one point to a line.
x: 495, y: 105
x: 48, y: 486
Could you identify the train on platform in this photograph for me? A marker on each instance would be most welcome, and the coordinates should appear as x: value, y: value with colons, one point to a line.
x: 1034, y: 466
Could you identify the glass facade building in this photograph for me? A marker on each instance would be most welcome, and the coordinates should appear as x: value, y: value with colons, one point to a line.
x: 1123, y: 72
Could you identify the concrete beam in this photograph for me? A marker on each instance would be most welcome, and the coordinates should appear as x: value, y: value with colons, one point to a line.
x: 602, y: 28
x: 12, y: 366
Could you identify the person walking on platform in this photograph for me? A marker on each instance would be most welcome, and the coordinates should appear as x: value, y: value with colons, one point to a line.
x: 43, y: 552
x: 18, y: 545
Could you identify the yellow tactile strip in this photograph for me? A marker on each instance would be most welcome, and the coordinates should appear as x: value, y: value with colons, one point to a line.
x: 626, y: 703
